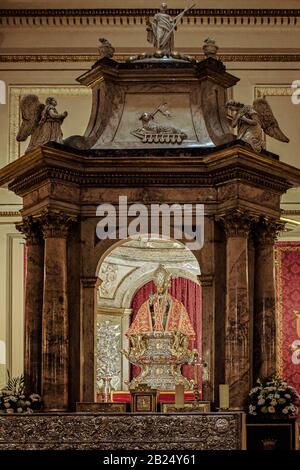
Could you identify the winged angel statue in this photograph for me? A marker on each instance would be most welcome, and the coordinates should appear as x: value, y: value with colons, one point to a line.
x: 40, y: 121
x: 253, y: 120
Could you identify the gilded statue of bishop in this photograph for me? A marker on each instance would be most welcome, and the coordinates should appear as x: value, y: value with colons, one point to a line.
x: 160, y: 30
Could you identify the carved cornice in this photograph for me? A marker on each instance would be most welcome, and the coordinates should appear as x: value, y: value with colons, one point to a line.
x: 56, y: 224
x: 30, y: 227
x: 237, y: 223
x: 134, y: 178
x: 91, y: 58
x: 124, y: 16
x: 267, y: 230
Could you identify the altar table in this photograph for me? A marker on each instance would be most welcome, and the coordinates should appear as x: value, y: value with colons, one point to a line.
x: 124, y: 431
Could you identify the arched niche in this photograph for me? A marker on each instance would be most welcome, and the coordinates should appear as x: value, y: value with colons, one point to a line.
x: 122, y: 270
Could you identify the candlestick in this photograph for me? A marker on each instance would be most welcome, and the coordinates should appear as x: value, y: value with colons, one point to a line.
x: 224, y: 396
x: 179, y: 396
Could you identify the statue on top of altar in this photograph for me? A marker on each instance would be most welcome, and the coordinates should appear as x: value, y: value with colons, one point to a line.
x: 161, y: 312
x: 160, y: 30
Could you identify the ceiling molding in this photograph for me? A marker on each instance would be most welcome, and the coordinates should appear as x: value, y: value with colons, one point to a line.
x: 195, y: 12
x: 136, y: 16
x: 75, y: 58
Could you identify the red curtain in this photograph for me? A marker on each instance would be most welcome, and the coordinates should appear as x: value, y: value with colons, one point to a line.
x: 189, y: 294
x: 287, y: 255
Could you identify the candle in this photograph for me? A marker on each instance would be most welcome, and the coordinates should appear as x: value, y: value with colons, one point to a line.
x: 179, y: 396
x: 224, y: 396
x: 2, y: 365
x: 196, y: 374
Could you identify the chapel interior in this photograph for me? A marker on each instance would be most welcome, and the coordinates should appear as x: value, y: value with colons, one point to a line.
x: 96, y: 324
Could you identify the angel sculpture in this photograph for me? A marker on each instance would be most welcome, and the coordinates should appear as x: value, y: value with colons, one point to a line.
x: 41, y: 121
x: 253, y: 120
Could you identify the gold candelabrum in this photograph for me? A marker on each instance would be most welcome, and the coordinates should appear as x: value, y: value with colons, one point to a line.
x: 160, y: 357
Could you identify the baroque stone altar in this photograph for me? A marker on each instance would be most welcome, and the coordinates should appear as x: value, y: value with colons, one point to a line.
x: 158, y: 133
x: 147, y: 431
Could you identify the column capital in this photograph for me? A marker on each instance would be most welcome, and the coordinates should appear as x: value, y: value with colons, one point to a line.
x: 31, y: 229
x: 236, y: 222
x: 90, y: 282
x: 266, y: 230
x: 56, y: 224
x: 206, y: 280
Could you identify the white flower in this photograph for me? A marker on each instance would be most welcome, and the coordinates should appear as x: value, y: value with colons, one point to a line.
x: 251, y: 408
x: 7, y: 405
x: 19, y: 410
x: 287, y: 395
x: 281, y: 401
x: 277, y: 395
x: 12, y: 398
x: 261, y: 401
x: 285, y: 410
x: 271, y: 409
x: 27, y: 403
x: 254, y: 390
x: 270, y: 396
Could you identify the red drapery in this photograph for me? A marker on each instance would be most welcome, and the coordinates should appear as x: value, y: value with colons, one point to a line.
x: 287, y: 255
x: 187, y: 292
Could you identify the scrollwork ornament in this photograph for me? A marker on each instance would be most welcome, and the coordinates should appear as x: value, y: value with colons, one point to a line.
x: 267, y: 230
x: 56, y: 224
x: 236, y: 223
x: 31, y: 229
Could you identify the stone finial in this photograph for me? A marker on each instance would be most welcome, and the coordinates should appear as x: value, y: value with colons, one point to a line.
x: 210, y: 47
x: 105, y: 49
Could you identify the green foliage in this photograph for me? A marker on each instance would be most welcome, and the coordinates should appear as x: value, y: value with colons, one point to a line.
x: 15, y: 399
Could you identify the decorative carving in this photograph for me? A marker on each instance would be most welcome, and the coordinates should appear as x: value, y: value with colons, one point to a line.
x: 41, y: 121
x: 237, y: 222
x: 73, y: 58
x: 251, y: 121
x: 192, y: 431
x: 160, y: 31
x: 267, y: 230
x: 106, y: 49
x: 108, y: 345
x: 56, y: 224
x: 210, y: 48
x: 109, y: 273
x: 151, y: 132
x: 31, y: 229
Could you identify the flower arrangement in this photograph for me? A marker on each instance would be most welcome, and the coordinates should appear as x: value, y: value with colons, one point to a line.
x: 14, y: 399
x: 273, y: 398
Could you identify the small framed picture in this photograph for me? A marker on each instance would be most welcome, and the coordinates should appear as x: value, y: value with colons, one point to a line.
x: 143, y: 400
x: 189, y: 407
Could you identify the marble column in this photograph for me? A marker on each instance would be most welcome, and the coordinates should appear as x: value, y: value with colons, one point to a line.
x: 89, y: 287
x: 55, y: 338
x: 33, y: 303
x: 237, y: 224
x: 264, y: 322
